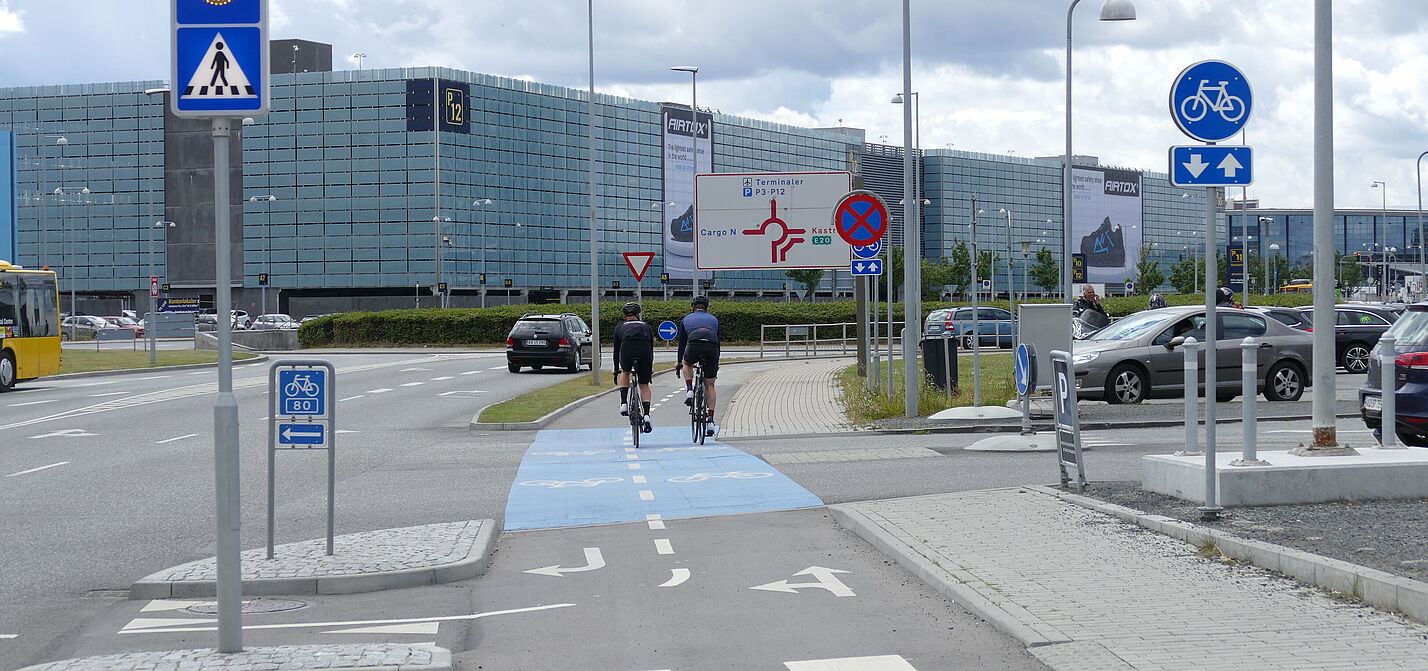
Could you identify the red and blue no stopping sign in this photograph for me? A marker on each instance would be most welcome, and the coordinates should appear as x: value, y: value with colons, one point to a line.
x: 861, y: 218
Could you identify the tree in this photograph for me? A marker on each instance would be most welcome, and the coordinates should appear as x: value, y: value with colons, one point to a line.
x: 987, y: 261
x: 1351, y: 274
x: 960, y: 270
x: 935, y: 275
x: 1183, y: 275
x: 809, y: 278
x: 1046, y: 272
x: 1148, y: 275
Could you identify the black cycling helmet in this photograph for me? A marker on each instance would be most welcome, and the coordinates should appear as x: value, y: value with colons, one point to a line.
x: 632, y: 308
x: 1224, y: 296
x: 700, y: 302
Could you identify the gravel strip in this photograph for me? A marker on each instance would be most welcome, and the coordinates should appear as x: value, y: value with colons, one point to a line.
x: 1389, y: 536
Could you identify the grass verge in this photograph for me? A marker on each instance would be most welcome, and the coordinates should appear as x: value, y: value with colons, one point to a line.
x: 865, y: 406
x: 81, y: 361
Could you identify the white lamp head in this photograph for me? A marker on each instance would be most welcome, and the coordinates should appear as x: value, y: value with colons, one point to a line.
x: 1118, y: 10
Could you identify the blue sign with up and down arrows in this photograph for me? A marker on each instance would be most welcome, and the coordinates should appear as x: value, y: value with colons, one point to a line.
x: 1211, y: 165
x: 866, y: 267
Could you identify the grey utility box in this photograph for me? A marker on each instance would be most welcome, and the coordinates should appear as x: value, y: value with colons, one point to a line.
x: 1045, y: 326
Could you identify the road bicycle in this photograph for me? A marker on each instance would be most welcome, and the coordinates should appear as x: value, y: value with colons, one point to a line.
x: 699, y: 410
x: 635, y: 404
x: 1230, y: 108
x: 301, y: 385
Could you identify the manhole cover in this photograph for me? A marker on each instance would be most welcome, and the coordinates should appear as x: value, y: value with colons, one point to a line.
x: 254, y: 607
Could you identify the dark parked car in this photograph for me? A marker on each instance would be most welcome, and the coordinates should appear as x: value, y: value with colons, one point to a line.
x: 1139, y: 356
x: 548, y: 340
x: 1357, y: 328
x: 1410, y: 334
x: 995, y: 326
x: 1292, y: 317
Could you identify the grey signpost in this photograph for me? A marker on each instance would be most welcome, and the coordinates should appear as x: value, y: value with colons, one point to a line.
x: 219, y: 71
x: 1068, y: 424
x: 1024, y: 370
x: 302, y: 415
x: 1192, y: 395
x: 1249, y: 381
x: 1388, y: 387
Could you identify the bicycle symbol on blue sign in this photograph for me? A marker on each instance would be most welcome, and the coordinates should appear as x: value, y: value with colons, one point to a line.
x: 1211, y: 101
x: 302, y: 392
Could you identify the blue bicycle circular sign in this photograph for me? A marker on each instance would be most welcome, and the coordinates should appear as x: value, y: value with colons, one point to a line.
x: 1211, y: 101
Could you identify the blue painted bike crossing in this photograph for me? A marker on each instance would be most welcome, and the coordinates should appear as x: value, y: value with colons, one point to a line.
x: 595, y: 476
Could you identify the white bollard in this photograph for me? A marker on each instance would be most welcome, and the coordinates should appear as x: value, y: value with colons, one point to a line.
x: 1192, y: 396
x: 1249, y: 370
x: 1388, y: 388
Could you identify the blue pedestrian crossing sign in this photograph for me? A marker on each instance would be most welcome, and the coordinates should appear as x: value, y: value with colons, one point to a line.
x: 219, y: 64
x: 302, y: 434
x: 866, y: 267
x: 1211, y: 165
x: 302, y: 392
x: 668, y: 330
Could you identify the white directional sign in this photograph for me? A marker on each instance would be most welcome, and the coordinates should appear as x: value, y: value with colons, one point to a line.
x: 1211, y: 165
x: 782, y: 221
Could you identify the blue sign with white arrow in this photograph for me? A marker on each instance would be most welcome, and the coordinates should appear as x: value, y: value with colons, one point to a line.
x: 1211, y: 165
x: 866, y: 267
x: 1211, y: 101
x: 668, y: 330
x: 302, y: 434
x: 869, y: 251
x: 1024, y: 368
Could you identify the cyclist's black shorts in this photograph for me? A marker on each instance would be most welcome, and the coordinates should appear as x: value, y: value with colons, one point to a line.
x: 705, y: 354
x: 628, y: 355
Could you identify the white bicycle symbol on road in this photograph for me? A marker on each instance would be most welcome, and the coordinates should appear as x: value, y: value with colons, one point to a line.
x: 301, y: 385
x: 1230, y: 108
x: 701, y: 477
x: 557, y: 484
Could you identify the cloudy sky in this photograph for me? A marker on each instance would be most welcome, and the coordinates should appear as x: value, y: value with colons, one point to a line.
x: 989, y: 72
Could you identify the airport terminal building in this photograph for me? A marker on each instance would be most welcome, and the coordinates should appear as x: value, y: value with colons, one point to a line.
x: 349, y: 191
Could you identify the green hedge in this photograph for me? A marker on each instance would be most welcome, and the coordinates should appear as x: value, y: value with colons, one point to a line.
x: 740, y: 320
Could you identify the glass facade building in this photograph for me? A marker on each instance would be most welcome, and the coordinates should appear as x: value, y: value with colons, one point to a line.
x: 349, y: 195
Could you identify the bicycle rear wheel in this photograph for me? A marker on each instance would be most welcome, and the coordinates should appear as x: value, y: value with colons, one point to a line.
x: 637, y: 419
x: 701, y: 412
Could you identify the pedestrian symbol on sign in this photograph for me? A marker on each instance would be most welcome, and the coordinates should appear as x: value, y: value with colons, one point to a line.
x: 225, y: 78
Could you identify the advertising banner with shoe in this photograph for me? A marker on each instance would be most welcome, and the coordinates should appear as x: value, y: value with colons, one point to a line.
x: 1106, y: 222
x: 682, y: 139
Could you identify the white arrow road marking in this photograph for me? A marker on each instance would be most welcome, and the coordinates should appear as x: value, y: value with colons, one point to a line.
x: 1229, y: 165
x: 676, y: 578
x: 66, y: 433
x: 424, y: 628
x: 1196, y: 165
x: 302, y: 625
x: 170, y: 440
x: 826, y: 580
x: 36, y: 470
x: 159, y: 605
x: 20, y: 405
x: 878, y: 663
x: 593, y: 561
x: 151, y: 622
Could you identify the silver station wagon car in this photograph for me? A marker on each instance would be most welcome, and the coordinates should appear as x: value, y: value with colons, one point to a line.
x: 1140, y: 356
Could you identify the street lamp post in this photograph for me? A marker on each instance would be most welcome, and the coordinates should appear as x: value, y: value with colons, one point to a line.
x: 1111, y: 10
x: 436, y: 223
x: 1422, y: 263
x: 693, y: 71
x: 152, y: 320
x: 68, y: 263
x: 1274, y: 249
x: 1383, y: 191
x: 481, y: 202
x: 267, y: 248
x: 1011, y: 282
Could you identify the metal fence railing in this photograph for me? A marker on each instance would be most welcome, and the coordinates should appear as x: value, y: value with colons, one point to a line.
x: 790, y: 340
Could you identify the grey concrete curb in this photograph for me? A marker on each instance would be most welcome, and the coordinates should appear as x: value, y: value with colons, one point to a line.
x: 1377, y: 588
x: 440, y: 661
x: 470, y: 567
x: 1005, y: 616
x: 125, y: 371
x: 979, y: 427
x: 477, y: 425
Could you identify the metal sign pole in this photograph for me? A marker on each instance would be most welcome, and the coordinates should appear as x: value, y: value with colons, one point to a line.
x: 225, y: 410
x: 1211, y: 509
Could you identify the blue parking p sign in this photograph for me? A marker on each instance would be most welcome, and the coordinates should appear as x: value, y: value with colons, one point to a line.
x: 302, y: 392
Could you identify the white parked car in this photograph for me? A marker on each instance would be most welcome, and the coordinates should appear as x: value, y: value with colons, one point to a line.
x: 280, y: 322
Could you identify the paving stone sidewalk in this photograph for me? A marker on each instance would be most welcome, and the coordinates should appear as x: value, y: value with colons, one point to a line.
x: 369, y: 657
x: 797, y: 397
x: 366, y: 561
x: 1089, y: 592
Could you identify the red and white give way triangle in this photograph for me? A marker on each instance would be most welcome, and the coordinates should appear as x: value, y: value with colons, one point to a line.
x: 639, y: 263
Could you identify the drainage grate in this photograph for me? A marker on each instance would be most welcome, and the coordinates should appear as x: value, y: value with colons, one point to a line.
x: 254, y: 607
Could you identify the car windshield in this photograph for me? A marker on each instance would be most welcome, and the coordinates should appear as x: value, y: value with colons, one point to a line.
x: 1411, y: 328
x: 1131, y: 327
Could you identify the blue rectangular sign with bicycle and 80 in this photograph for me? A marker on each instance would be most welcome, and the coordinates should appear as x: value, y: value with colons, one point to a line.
x: 302, y: 392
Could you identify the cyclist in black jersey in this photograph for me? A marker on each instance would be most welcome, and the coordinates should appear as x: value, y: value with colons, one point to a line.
x: 634, y: 339
x: 699, y: 335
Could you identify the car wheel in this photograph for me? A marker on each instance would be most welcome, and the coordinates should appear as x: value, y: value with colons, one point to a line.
x: 64, y: 334
x: 575, y: 363
x: 513, y: 367
x: 1355, y: 358
x: 1284, y: 382
x: 7, y: 371
x: 1411, y: 439
x: 1126, y: 384
x: 968, y: 342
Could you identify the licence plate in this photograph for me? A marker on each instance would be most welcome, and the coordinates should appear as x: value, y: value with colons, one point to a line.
x: 534, y: 343
x: 1373, y: 403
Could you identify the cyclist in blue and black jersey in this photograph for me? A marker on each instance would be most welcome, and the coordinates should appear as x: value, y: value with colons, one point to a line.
x: 634, y: 339
x: 699, y: 343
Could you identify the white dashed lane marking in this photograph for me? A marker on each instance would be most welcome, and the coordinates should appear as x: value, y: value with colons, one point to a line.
x: 646, y: 495
x: 472, y: 372
x: 410, y: 384
x: 36, y: 470
x: 112, y: 393
x: 662, y: 546
x: 170, y: 440
x: 655, y: 521
x: 495, y: 368
x: 639, y: 479
x: 443, y: 377
x: 18, y: 405
x: 378, y: 391
x: 153, y: 377
x: 349, y: 398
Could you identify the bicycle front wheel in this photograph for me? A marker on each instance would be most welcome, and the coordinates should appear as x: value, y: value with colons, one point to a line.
x: 636, y: 409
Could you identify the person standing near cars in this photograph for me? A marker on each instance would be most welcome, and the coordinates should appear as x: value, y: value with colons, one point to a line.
x: 634, y: 353
x: 699, y: 343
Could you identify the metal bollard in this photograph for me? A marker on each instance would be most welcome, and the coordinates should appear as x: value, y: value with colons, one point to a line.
x: 1388, y: 387
x: 1192, y: 396
x: 1249, y: 369
x: 947, y: 367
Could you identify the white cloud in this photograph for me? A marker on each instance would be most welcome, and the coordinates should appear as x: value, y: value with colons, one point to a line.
x: 11, y: 21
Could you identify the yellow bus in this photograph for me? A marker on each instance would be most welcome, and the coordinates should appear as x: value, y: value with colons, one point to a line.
x: 29, y: 324
x: 1297, y: 287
